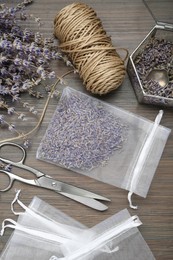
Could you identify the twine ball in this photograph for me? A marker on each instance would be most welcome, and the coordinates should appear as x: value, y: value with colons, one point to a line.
x: 82, y: 37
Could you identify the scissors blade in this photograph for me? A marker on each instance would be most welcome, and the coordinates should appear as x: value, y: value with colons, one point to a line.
x: 92, y: 203
x: 67, y: 188
x: 71, y: 192
x: 49, y: 183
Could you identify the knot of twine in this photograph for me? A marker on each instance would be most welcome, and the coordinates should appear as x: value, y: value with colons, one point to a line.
x: 82, y: 37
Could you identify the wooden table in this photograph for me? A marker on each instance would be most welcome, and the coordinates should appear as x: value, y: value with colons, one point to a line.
x: 127, y: 22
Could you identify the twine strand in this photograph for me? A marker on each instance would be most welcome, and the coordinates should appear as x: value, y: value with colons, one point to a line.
x: 82, y: 37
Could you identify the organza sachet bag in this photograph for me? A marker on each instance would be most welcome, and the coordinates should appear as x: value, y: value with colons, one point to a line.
x: 43, y: 232
x: 104, y: 142
x: 116, y: 238
x: 40, y: 231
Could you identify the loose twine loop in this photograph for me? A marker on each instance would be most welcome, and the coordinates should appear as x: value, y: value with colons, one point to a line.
x: 83, y: 39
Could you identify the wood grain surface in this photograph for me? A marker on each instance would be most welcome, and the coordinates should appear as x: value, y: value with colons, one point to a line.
x: 127, y: 22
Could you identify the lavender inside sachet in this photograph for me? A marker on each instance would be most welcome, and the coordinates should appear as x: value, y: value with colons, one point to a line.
x: 82, y: 134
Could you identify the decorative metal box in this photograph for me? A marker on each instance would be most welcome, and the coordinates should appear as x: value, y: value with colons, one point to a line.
x: 150, y: 66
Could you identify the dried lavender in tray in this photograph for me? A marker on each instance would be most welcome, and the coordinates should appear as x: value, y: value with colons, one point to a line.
x: 157, y: 54
x: 82, y: 134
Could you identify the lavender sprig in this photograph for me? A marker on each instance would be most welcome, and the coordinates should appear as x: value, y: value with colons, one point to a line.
x: 25, y: 58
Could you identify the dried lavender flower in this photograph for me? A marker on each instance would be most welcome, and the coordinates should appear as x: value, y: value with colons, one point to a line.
x: 6, y: 167
x: 82, y: 134
x: 25, y: 59
x: 27, y: 143
x: 157, y: 54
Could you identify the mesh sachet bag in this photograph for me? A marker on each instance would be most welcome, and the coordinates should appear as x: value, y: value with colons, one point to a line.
x: 104, y: 142
x: 116, y: 238
x: 44, y: 232
x: 40, y: 231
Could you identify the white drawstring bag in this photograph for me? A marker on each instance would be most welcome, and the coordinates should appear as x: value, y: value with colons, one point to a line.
x: 40, y: 231
x: 43, y: 232
x: 104, y: 142
x: 116, y: 238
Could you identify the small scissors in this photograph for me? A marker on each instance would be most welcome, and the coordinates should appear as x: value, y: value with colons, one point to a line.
x: 45, y: 181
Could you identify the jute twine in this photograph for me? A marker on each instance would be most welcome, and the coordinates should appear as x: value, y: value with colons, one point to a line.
x: 82, y: 37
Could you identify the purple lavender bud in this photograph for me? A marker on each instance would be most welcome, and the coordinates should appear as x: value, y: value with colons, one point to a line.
x: 1, y: 119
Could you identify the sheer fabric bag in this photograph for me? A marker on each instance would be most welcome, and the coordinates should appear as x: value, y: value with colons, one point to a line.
x: 43, y: 232
x: 112, y: 145
x: 40, y: 231
x: 116, y: 238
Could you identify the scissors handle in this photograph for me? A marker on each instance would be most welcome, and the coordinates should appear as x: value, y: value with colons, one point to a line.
x: 20, y: 163
x: 12, y: 177
x: 15, y: 145
x: 10, y: 180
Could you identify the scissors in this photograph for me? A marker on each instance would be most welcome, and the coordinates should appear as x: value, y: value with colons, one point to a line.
x: 45, y: 181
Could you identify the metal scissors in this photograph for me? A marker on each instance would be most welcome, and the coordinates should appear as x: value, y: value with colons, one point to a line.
x: 45, y: 181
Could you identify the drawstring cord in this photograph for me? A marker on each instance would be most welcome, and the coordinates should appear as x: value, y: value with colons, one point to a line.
x: 142, y: 158
x: 99, y: 241
x: 65, y: 232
